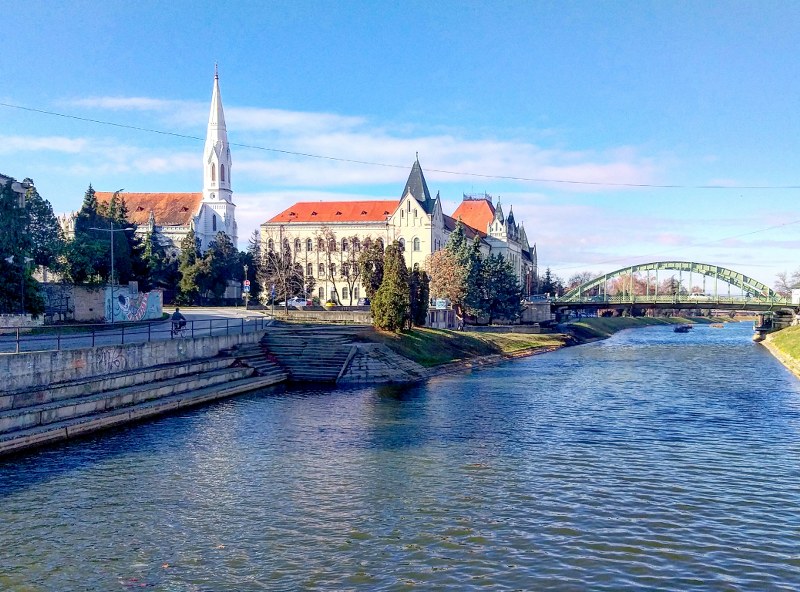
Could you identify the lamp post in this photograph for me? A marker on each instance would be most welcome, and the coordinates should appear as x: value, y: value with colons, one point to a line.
x: 111, y: 232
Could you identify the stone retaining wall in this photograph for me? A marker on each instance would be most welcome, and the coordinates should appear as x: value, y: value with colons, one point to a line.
x: 39, y: 369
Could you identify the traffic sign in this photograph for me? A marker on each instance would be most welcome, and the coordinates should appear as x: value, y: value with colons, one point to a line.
x: 247, y: 282
x: 246, y: 289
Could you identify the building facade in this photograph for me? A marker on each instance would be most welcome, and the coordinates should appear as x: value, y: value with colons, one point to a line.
x: 323, y: 238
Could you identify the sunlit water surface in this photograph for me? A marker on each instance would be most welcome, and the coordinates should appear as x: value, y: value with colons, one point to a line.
x: 652, y: 460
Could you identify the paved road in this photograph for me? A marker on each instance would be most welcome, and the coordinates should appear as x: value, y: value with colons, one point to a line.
x: 201, y: 322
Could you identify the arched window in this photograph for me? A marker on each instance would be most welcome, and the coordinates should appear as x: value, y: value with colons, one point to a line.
x: 222, y: 174
x: 309, y: 243
x: 297, y: 244
x: 333, y: 270
x: 320, y: 244
x: 214, y: 223
x: 213, y: 173
x: 402, y: 243
x: 415, y: 209
x: 345, y: 270
x: 321, y: 270
x: 356, y: 245
x: 332, y: 245
x: 344, y: 245
x: 416, y: 243
x: 271, y: 245
x: 310, y: 269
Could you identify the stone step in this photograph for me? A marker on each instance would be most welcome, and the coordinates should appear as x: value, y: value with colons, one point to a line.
x: 91, y: 386
x: 43, y: 414
x: 62, y: 430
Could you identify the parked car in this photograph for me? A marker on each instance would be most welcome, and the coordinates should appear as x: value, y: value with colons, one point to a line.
x: 363, y: 302
x: 294, y: 301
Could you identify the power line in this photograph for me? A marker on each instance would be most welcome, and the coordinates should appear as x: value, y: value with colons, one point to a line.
x: 398, y: 166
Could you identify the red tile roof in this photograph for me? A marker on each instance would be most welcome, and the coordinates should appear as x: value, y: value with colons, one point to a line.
x: 469, y: 232
x: 475, y: 213
x: 169, y: 209
x: 323, y: 212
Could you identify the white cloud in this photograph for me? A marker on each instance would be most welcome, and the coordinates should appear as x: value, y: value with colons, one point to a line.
x: 11, y: 144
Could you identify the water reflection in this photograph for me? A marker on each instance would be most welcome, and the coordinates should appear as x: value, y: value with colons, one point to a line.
x: 649, y: 461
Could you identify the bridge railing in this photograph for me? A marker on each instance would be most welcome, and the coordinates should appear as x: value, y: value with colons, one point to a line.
x: 60, y: 337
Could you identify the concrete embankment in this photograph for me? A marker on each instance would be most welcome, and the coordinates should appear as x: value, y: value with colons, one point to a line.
x: 785, y: 346
x: 54, y: 396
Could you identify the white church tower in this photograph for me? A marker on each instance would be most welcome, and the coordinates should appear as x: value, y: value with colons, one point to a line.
x: 217, y: 209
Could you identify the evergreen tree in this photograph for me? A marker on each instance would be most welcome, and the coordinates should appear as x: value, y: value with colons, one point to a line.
x: 371, y: 262
x: 419, y: 293
x: 254, y: 260
x: 188, y: 267
x: 19, y: 292
x: 220, y: 265
x: 501, y: 294
x: 472, y: 263
x: 45, y: 232
x: 390, y: 306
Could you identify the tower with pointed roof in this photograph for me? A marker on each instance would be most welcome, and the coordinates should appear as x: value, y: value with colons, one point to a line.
x: 217, y: 164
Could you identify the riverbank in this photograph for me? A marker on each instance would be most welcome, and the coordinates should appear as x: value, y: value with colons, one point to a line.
x: 785, y: 346
x: 594, y: 328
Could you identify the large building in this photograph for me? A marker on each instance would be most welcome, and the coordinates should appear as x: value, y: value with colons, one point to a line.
x: 324, y: 237
x: 170, y: 216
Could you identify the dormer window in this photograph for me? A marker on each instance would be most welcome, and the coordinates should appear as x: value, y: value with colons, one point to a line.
x: 313, y: 213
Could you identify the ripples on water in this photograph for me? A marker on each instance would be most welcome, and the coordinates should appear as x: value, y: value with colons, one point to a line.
x: 652, y: 460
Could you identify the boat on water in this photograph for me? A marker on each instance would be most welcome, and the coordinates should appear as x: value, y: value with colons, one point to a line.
x: 682, y: 328
x: 718, y: 325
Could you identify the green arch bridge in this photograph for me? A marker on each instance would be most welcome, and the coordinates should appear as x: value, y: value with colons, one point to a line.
x: 642, y: 289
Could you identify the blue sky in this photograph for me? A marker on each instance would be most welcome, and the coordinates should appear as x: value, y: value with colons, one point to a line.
x: 685, y: 94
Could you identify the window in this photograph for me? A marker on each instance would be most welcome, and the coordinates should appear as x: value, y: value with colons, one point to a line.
x: 332, y: 245
x: 402, y: 243
x: 270, y: 245
x: 402, y: 213
x: 380, y: 244
x: 222, y: 173
x: 286, y: 245
x: 416, y: 243
x: 321, y: 270
x: 310, y: 269
x: 355, y: 292
x: 345, y: 270
x: 344, y: 245
x: 415, y: 212
x: 320, y: 244
x: 214, y: 223
x: 322, y: 294
x: 408, y: 205
x: 345, y: 294
x: 296, y: 245
x: 213, y: 173
x: 308, y: 244
x: 356, y: 245
x: 333, y: 270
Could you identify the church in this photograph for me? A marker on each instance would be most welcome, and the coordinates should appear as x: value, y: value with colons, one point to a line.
x: 323, y: 237
x: 170, y: 216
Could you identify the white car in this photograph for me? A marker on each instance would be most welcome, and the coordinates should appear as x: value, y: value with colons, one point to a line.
x: 294, y: 301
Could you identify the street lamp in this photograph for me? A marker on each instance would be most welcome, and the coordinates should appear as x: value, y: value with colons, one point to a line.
x: 111, y: 232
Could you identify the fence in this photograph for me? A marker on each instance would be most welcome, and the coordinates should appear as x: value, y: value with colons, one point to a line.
x: 55, y: 338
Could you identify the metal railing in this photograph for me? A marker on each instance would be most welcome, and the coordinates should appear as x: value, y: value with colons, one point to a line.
x: 61, y: 337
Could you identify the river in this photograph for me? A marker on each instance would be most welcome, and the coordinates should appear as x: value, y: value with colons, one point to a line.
x: 652, y: 460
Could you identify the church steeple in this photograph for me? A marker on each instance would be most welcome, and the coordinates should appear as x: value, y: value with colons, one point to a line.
x: 217, y: 153
x: 217, y: 210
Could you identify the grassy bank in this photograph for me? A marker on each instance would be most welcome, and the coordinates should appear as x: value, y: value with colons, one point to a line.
x: 787, y: 342
x: 602, y: 327
x: 434, y: 347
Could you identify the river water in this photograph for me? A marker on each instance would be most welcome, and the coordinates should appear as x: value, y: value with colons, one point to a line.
x: 652, y: 460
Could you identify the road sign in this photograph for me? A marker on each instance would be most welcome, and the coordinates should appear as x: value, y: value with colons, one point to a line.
x: 247, y: 282
x: 246, y: 289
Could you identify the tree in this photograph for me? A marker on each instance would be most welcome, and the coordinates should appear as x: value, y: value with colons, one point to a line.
x: 419, y: 294
x: 327, y: 250
x: 579, y: 278
x: 254, y: 261
x: 280, y: 273
x: 390, y: 306
x: 48, y: 244
x: 551, y: 283
x: 501, y: 294
x: 370, y: 263
x: 88, y: 253
x: 19, y: 292
x: 350, y: 262
x: 446, y: 278
x: 785, y: 282
x: 188, y: 267
x: 220, y: 265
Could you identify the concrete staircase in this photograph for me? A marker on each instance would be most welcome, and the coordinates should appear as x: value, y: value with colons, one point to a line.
x: 61, y: 411
x: 258, y: 357
x: 311, y: 354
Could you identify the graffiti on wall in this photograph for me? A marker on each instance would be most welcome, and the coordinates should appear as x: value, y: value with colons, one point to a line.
x: 140, y: 306
x: 108, y: 361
